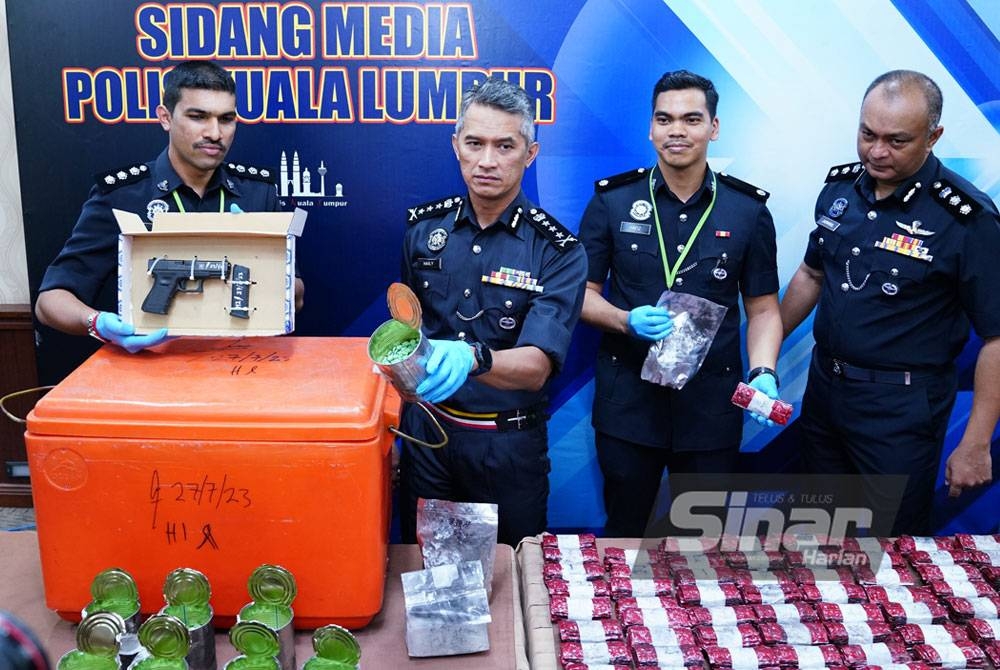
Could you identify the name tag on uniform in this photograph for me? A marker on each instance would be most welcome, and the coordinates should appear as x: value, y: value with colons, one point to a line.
x: 636, y: 228
x: 827, y: 223
x: 427, y: 264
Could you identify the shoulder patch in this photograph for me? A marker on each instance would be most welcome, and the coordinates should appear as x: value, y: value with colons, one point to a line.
x: 112, y: 179
x: 264, y: 174
x: 845, y: 171
x: 744, y: 187
x: 617, y: 180
x: 432, y: 208
x: 959, y: 203
x: 554, y: 232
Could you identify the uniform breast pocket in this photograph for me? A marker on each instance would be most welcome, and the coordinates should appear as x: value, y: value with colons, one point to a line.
x: 431, y: 284
x: 637, y: 259
x: 504, y: 310
x: 718, y: 269
x: 896, y: 274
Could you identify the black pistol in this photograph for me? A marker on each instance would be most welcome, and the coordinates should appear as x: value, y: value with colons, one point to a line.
x: 172, y: 276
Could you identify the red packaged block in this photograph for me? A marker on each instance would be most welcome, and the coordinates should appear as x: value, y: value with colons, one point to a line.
x: 984, y: 630
x: 647, y: 602
x: 597, y: 588
x: 691, y: 546
x: 793, y: 633
x: 614, y: 653
x: 787, y: 613
x: 700, y: 574
x: 573, y: 571
x: 629, y: 588
x: 884, y: 577
x: 613, y: 555
x: 648, y: 656
x: 949, y: 573
x: 673, y: 618
x: 921, y: 633
x: 740, y: 635
x: 579, y: 609
x: 963, y: 609
x: 858, y: 632
x: 956, y: 655
x: 942, y: 557
x: 709, y: 595
x: 818, y: 656
x: 741, y: 658
x: 758, y: 402
x: 771, y: 594
x: 867, y: 544
x: 590, y: 631
x: 842, y: 575
x: 832, y: 592
x: 966, y: 589
x: 992, y: 651
x: 898, y: 614
x: 754, y: 560
x: 639, y: 570
x: 991, y: 574
x: 877, y: 653
x: 569, y: 541
x: 911, y: 543
x: 850, y: 612
x: 978, y: 542
x: 721, y: 616
x: 660, y: 636
x: 900, y: 594
x: 564, y: 555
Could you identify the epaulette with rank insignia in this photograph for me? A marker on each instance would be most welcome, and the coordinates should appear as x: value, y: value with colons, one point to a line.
x: 617, y: 180
x: 432, y: 208
x: 554, y: 232
x: 845, y: 171
x: 955, y: 200
x: 743, y: 187
x: 264, y: 174
x: 130, y: 174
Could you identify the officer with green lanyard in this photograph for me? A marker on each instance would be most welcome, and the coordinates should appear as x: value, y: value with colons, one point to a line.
x: 190, y: 175
x: 681, y: 226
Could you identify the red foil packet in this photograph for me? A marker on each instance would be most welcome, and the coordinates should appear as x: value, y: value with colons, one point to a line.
x: 613, y: 652
x: 749, y: 398
x: 963, y: 609
x: 661, y: 636
x: 648, y: 656
x: 740, y: 635
x: 786, y: 613
x: 850, y: 612
x: 858, y: 632
x: 793, y: 633
x: 590, y: 631
x: 597, y: 588
x: 956, y: 655
x: 582, y: 609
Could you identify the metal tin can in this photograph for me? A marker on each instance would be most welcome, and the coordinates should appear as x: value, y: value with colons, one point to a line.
x: 399, y: 333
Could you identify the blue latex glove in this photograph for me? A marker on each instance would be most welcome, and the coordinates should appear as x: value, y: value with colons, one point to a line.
x: 112, y: 328
x: 447, y: 367
x: 765, y: 383
x: 235, y: 209
x: 650, y: 323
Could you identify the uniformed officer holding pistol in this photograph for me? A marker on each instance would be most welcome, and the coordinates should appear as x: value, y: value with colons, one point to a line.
x: 681, y: 226
x: 500, y: 283
x: 190, y: 175
x: 903, y: 258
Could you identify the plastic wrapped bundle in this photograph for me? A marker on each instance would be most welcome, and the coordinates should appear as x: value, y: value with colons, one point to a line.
x: 661, y: 636
x: 878, y: 653
x: 447, y: 610
x: 963, y: 609
x: 900, y: 594
x: 908, y: 544
x: 611, y: 652
x: 850, y: 612
x: 450, y: 533
x: 648, y: 656
x: 652, y: 617
x: 898, y: 614
x: 787, y: 613
x: 579, y: 609
x: 859, y: 632
x: 602, y: 630
x: 722, y: 616
x: 957, y: 655
x: 569, y: 541
x: 597, y: 588
x: 979, y: 542
x: 740, y: 635
x: 984, y: 630
x: 709, y: 595
x: 793, y: 633
x: 913, y: 634
x: 632, y: 588
x: 587, y: 570
x: 832, y: 592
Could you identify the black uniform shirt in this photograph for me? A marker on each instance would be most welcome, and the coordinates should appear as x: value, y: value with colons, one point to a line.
x: 903, y: 276
x: 458, y: 272
x: 90, y: 256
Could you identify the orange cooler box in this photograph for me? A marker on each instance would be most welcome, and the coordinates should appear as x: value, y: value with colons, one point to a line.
x: 218, y: 455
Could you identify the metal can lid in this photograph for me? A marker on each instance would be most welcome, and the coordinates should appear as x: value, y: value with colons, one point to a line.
x: 165, y: 636
x: 186, y: 586
x: 335, y: 643
x: 253, y: 638
x: 272, y: 584
x: 114, y: 584
x: 98, y: 634
x: 404, y: 305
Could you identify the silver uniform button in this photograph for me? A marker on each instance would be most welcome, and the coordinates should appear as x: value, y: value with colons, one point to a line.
x: 476, y: 249
x: 820, y: 241
x: 683, y: 217
x: 855, y: 251
x: 634, y: 247
x: 426, y: 284
x: 680, y: 248
x: 508, y: 303
x: 844, y: 287
x: 461, y: 335
x: 467, y: 292
x: 680, y: 281
x: 894, y: 272
x: 872, y: 215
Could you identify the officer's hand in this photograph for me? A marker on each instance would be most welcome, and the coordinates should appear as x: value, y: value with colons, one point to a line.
x: 235, y: 209
x: 650, y: 323
x: 447, y: 367
x: 970, y: 465
x: 112, y: 328
x: 766, y: 384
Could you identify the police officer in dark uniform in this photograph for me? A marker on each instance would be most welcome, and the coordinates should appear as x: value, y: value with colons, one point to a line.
x: 678, y: 225
x: 500, y: 283
x: 903, y: 257
x: 190, y: 175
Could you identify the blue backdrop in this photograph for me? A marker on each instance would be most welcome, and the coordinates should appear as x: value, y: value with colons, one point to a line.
x: 353, y: 103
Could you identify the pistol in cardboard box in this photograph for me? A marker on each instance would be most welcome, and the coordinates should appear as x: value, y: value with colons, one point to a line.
x: 171, y: 276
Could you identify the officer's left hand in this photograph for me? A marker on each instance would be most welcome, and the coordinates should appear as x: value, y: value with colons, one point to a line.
x: 968, y: 466
x: 447, y: 367
x: 113, y: 329
x: 766, y: 384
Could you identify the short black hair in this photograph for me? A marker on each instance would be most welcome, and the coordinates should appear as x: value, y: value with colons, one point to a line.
x: 203, y: 74
x: 894, y: 80
x: 679, y: 80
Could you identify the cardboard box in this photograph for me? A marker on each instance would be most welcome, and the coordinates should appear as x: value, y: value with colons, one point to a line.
x: 262, y: 242
x: 219, y: 455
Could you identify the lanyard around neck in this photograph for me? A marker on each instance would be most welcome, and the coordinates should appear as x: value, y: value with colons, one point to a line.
x: 670, y: 274
x: 222, y: 202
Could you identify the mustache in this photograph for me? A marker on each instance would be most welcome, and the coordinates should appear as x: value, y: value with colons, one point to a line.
x: 209, y: 143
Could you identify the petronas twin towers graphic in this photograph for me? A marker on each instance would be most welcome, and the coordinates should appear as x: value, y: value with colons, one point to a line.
x: 298, y: 181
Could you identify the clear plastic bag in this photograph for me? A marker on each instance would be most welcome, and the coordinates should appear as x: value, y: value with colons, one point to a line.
x: 676, y: 358
x: 447, y: 611
x: 451, y: 532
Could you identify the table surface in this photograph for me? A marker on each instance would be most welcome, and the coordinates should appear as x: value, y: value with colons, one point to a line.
x: 383, y: 644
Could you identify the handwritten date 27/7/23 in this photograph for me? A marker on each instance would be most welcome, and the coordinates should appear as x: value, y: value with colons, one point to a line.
x: 206, y: 492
